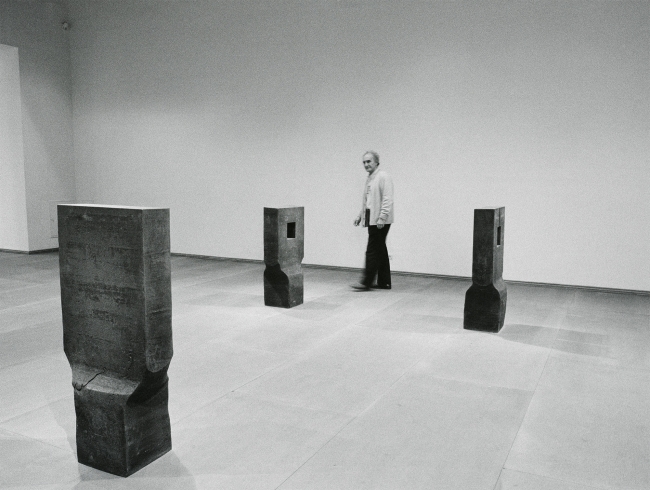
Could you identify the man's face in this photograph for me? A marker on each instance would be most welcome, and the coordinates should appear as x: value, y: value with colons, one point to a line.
x: 369, y: 163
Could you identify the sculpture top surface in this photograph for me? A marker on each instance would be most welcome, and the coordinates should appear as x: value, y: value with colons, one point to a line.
x: 288, y: 206
x: 113, y: 206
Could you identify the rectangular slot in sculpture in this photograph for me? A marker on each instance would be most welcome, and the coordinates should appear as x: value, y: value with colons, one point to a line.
x: 283, y: 254
x: 485, y: 300
x: 116, y: 304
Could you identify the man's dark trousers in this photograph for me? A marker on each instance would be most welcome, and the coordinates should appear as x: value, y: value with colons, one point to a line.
x: 377, y: 263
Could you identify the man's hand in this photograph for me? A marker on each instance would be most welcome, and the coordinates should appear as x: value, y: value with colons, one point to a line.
x: 380, y: 224
x: 357, y: 221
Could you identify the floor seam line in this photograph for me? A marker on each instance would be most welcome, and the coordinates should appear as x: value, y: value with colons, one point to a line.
x: 355, y: 417
x: 548, y: 356
x: 34, y: 439
x: 232, y: 390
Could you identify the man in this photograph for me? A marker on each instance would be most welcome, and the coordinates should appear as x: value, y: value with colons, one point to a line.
x: 377, y: 214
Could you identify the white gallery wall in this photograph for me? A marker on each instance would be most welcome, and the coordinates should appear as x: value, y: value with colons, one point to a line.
x: 13, y: 202
x: 219, y: 108
x: 32, y: 29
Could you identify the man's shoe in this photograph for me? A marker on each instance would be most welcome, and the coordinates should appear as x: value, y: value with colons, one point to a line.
x: 381, y: 286
x: 359, y: 287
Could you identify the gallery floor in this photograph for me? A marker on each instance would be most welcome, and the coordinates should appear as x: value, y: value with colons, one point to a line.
x: 351, y: 390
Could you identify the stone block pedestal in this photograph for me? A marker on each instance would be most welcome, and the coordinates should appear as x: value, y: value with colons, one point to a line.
x: 485, y: 300
x: 284, y: 237
x: 117, y: 336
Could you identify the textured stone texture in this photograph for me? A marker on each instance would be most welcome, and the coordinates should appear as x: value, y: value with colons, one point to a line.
x: 485, y: 300
x: 283, y: 253
x: 117, y: 335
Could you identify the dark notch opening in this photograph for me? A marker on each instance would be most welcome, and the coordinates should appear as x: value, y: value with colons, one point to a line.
x: 498, y: 236
x: 291, y: 230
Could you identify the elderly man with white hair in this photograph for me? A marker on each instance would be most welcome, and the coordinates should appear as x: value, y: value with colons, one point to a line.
x: 377, y: 215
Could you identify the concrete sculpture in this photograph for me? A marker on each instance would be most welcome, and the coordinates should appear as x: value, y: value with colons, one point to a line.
x: 485, y: 300
x: 284, y: 230
x: 117, y: 335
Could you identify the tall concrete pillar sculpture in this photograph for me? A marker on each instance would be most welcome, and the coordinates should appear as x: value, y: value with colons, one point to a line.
x: 284, y: 249
x: 117, y: 334
x: 485, y: 300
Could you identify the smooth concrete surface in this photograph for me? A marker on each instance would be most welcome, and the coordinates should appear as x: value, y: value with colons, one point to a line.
x: 348, y: 391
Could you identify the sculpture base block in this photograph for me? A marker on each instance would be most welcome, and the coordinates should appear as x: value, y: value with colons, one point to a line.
x: 485, y: 307
x: 116, y: 434
x: 282, y: 290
